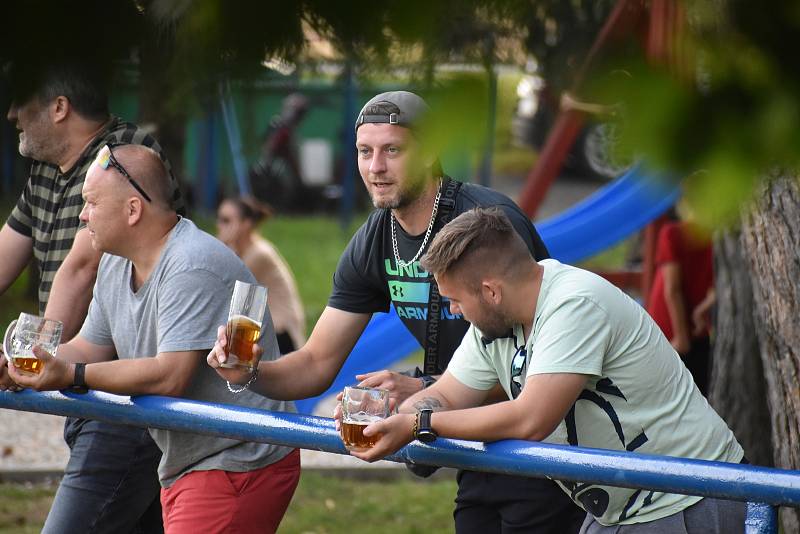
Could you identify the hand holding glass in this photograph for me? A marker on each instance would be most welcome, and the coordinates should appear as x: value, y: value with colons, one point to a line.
x: 248, y: 304
x: 360, y: 407
x: 25, y: 333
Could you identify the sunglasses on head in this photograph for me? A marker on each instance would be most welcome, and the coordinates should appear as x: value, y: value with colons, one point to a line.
x: 106, y: 157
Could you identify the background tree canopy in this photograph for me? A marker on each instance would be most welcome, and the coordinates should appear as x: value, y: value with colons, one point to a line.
x: 724, y: 111
x: 733, y: 117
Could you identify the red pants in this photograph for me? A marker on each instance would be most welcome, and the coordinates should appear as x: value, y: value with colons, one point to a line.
x: 223, y: 501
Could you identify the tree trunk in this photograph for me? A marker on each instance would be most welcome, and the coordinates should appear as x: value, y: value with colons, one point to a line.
x: 771, y: 238
x: 737, y: 391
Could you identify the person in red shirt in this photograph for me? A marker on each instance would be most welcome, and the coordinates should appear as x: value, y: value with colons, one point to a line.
x: 683, y: 292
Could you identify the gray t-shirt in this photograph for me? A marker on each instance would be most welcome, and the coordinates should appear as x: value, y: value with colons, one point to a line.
x: 179, y: 308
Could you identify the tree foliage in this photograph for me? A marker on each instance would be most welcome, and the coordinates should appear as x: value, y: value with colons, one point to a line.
x: 733, y: 118
x: 560, y: 34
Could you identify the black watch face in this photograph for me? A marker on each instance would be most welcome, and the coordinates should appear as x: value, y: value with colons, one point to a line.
x: 426, y: 436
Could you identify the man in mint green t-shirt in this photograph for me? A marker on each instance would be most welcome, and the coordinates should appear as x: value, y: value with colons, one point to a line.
x: 581, y: 363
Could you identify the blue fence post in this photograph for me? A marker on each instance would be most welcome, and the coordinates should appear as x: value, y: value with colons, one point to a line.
x: 761, y: 519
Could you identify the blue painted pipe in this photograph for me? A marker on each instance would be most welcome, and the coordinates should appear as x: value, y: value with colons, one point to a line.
x: 674, y: 475
x: 761, y: 519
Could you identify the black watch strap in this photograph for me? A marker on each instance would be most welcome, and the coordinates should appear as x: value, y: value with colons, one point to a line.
x: 422, y: 427
x: 425, y: 418
x: 79, y: 380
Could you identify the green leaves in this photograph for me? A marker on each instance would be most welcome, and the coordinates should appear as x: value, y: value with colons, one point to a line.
x: 728, y: 122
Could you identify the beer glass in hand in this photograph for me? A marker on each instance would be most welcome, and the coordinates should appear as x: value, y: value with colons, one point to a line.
x: 248, y: 304
x: 360, y: 407
x: 25, y: 333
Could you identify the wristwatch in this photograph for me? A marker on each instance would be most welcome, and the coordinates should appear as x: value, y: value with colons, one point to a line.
x: 422, y: 427
x: 79, y: 380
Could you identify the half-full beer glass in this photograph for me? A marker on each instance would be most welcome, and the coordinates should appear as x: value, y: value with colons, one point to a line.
x: 248, y: 304
x: 25, y: 333
x: 360, y: 407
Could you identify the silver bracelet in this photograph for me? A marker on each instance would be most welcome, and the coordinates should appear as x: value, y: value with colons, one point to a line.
x: 246, y: 385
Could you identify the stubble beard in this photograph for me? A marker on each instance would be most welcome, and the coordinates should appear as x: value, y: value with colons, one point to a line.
x: 494, y: 323
x: 399, y: 201
x: 406, y: 195
x: 34, y: 143
x: 27, y: 148
x: 493, y: 329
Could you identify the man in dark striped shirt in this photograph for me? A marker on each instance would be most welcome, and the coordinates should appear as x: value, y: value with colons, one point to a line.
x: 61, y: 110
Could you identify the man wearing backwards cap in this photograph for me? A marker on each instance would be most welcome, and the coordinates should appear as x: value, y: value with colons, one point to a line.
x: 413, y: 200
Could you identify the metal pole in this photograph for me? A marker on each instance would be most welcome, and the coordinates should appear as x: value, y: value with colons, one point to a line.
x: 524, y: 458
x: 761, y: 519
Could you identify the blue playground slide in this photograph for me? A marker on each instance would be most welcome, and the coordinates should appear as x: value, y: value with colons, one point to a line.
x: 591, y: 226
x: 608, y: 216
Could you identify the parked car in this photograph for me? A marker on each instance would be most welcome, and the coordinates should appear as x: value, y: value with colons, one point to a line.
x: 592, y: 152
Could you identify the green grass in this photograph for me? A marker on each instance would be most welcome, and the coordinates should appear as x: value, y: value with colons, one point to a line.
x: 330, y: 504
x: 24, y: 507
x: 324, y: 503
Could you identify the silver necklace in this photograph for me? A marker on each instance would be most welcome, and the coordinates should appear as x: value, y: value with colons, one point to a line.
x: 403, y: 264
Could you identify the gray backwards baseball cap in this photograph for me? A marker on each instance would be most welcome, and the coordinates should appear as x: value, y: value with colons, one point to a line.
x: 411, y: 109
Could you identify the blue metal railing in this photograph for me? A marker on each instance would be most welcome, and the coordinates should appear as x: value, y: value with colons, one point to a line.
x: 763, y: 487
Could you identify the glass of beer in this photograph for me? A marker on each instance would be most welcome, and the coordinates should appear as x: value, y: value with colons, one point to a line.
x: 248, y: 304
x: 360, y: 407
x: 25, y: 333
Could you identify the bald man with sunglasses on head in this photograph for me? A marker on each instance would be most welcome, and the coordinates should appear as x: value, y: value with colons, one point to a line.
x: 60, y: 107
x: 163, y: 286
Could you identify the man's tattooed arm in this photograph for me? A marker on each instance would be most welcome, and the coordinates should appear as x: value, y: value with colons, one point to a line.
x: 428, y: 402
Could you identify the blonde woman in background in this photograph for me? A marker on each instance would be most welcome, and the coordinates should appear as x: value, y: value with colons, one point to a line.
x: 238, y: 220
